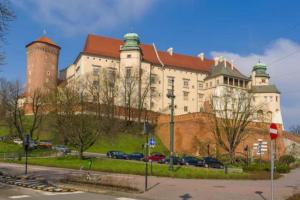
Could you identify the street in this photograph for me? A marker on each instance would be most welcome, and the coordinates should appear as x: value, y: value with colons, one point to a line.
x: 8, y: 192
x: 161, y: 188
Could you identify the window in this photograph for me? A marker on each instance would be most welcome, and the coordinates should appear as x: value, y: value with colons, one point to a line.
x: 185, y: 108
x: 185, y: 96
x: 276, y: 98
x: 186, y: 83
x: 236, y: 82
x: 48, y: 73
x: 128, y: 55
x: 210, y: 84
x: 271, y: 98
x: 206, y: 85
x: 266, y: 98
x: 152, y: 104
x: 225, y: 80
x: 200, y: 96
x: 241, y: 83
x: 200, y: 85
x: 169, y: 91
x: 230, y: 81
x: 218, y: 82
x: 128, y: 72
x: 152, y: 89
x: 153, y: 78
x: 170, y: 81
x: 96, y: 70
x: 263, y: 80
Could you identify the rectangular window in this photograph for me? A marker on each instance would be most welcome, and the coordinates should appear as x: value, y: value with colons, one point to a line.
x: 225, y: 80
x: 128, y: 72
x: 276, y: 98
x: 218, y: 82
x: 186, y: 83
x: 153, y: 78
x: 185, y: 108
x: 200, y: 85
x: 96, y: 70
x: 271, y: 99
x: 241, y: 83
x: 185, y: 96
x: 230, y: 81
x: 266, y: 98
x: 236, y: 82
x: 200, y: 96
x: 263, y: 80
x: 169, y: 91
x: 170, y: 80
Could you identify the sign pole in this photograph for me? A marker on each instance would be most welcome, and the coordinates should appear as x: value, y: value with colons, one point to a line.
x: 146, y: 132
x: 272, y: 170
x: 273, y: 135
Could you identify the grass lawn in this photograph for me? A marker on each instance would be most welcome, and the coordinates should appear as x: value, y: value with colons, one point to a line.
x: 4, y: 130
x: 126, y: 142
x: 9, y: 147
x: 138, y: 168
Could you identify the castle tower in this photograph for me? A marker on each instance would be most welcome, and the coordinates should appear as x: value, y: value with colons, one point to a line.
x: 42, y: 65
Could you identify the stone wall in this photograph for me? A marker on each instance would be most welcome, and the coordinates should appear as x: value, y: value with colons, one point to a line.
x: 192, y: 128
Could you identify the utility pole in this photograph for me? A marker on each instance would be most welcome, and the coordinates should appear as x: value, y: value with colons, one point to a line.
x: 172, y: 97
x: 146, y: 132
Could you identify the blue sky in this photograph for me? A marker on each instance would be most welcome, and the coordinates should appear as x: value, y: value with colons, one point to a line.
x: 244, y: 31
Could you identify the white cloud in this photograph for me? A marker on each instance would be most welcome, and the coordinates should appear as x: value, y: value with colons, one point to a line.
x: 283, y: 60
x: 82, y: 16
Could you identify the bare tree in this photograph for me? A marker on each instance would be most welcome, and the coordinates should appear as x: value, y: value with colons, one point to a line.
x: 6, y: 16
x: 70, y: 110
x: 230, y: 114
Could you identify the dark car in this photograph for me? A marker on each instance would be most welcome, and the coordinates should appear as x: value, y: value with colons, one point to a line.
x: 116, y: 154
x: 155, y: 157
x: 190, y: 160
x: 135, y: 156
x: 212, y: 162
x: 176, y: 160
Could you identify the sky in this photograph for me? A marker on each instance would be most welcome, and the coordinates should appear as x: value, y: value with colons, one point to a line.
x: 243, y: 31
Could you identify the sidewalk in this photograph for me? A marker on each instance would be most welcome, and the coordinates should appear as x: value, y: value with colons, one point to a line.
x: 187, y: 189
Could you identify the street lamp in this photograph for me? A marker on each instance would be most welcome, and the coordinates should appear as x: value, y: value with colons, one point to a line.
x: 171, y: 96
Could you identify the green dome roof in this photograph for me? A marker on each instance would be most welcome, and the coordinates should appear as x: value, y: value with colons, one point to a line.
x: 131, y: 41
x: 260, y: 69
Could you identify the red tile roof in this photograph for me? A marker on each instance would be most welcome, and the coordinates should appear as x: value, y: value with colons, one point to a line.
x: 45, y: 40
x: 110, y: 47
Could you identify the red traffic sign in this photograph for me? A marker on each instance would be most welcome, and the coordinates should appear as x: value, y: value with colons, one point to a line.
x: 273, y: 131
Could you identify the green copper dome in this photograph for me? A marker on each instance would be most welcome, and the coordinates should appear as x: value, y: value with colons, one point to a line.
x: 131, y: 42
x: 260, y: 69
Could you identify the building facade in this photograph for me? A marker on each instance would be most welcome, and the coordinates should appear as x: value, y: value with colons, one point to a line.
x: 151, y: 72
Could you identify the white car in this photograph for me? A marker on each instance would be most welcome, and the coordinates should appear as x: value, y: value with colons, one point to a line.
x: 18, y: 141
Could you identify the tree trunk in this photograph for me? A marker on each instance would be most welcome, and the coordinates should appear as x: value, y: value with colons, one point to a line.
x: 81, y: 153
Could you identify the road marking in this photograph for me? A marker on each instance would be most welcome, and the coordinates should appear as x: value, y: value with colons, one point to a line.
x: 19, y: 196
x: 124, y: 198
x: 61, y: 193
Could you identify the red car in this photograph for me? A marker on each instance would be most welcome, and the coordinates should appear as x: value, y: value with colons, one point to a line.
x: 155, y: 157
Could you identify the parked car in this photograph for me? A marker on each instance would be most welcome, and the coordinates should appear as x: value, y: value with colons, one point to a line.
x: 116, y: 154
x: 191, y: 160
x: 18, y: 141
x: 135, y: 156
x: 176, y: 160
x: 62, y: 149
x: 212, y: 162
x: 45, y: 144
x: 155, y: 157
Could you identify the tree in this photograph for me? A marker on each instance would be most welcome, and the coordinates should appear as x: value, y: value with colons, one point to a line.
x: 295, y: 129
x: 69, y: 111
x: 13, y: 103
x: 230, y: 114
x: 6, y: 16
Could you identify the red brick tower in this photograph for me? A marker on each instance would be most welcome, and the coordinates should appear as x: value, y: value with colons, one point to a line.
x: 42, y: 65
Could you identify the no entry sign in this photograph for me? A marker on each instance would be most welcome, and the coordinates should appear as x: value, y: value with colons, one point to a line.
x: 273, y: 131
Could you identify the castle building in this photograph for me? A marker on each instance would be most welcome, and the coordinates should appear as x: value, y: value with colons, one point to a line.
x: 42, y: 65
x: 195, y: 78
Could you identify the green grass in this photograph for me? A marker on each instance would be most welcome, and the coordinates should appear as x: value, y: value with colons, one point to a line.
x: 126, y: 142
x: 9, y: 147
x: 4, y: 130
x: 138, y: 168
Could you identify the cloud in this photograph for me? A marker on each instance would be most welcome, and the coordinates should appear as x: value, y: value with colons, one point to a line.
x: 81, y: 16
x: 283, y: 59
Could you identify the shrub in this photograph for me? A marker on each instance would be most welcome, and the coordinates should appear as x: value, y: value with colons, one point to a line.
x: 287, y: 159
x: 282, y: 168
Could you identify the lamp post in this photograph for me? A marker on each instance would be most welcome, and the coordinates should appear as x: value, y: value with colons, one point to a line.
x: 146, y: 132
x: 26, y: 146
x: 172, y: 97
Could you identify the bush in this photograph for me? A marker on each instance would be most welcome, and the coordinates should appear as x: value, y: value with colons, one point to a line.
x: 287, y: 159
x: 280, y: 168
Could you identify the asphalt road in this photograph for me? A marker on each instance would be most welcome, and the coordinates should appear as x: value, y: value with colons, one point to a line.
x: 8, y: 192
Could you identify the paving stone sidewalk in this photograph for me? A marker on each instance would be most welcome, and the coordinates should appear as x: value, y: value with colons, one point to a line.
x: 189, y: 189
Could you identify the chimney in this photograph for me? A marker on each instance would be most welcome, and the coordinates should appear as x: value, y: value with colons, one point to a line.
x: 201, y: 56
x: 225, y: 62
x: 232, y: 66
x: 170, y: 51
x: 216, y: 60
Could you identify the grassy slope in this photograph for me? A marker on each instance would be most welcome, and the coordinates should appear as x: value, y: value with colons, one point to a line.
x: 131, y: 167
x: 126, y: 142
